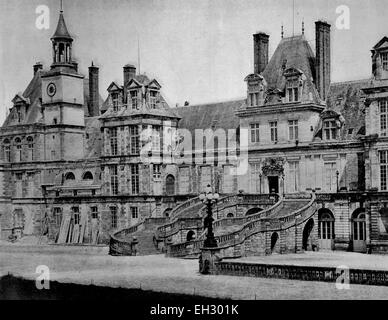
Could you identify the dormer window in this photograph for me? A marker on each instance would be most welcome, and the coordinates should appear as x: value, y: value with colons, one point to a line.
x: 115, y: 101
x: 134, y: 99
x: 384, y: 60
x: 153, y: 99
x: 330, y: 129
x: 254, y: 99
x: 292, y: 91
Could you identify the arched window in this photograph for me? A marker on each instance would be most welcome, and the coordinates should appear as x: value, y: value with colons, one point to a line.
x: 170, y: 185
x: 229, y: 215
x: 69, y: 176
x: 30, y: 145
x: 359, y: 225
x: 190, y: 235
x: 87, y: 176
x: 7, y: 150
x: 18, y: 152
x: 253, y: 211
x: 274, y: 240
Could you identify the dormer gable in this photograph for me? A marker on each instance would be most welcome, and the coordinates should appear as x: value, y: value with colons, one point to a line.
x: 154, y: 84
x: 380, y: 59
x: 133, y: 83
x: 19, y: 99
x: 294, y: 79
x: 113, y: 87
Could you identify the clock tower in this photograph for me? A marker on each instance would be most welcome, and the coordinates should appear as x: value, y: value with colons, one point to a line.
x: 63, y: 99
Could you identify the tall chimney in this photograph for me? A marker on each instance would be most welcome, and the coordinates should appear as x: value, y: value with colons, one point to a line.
x: 322, y: 64
x: 94, y: 96
x: 260, y: 51
x: 129, y: 73
x: 37, y: 66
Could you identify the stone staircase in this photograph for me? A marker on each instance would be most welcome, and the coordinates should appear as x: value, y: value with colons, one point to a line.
x: 291, y: 211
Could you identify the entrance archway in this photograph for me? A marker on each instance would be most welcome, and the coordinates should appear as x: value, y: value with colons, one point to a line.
x: 273, y: 184
x: 229, y: 215
x: 308, y: 228
x: 253, y: 211
x: 190, y: 235
x: 359, y: 230
x: 274, y: 240
x: 325, y: 229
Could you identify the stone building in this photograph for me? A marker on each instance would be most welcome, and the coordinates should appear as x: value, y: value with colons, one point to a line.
x: 76, y: 169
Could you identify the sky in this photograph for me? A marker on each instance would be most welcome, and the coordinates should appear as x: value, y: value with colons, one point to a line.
x: 199, y: 50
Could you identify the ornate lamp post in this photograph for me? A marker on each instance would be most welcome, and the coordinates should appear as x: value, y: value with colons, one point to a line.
x: 209, y: 198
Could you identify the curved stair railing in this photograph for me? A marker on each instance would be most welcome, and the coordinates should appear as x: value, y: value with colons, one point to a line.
x: 250, y: 228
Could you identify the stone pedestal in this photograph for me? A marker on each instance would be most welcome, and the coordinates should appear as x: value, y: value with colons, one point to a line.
x: 208, y: 259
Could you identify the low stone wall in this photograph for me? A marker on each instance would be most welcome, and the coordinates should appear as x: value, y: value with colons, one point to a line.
x: 306, y: 273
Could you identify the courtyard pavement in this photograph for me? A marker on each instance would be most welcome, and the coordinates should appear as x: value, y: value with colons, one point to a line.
x: 93, y: 266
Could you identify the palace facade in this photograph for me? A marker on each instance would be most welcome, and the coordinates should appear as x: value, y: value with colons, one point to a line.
x: 77, y: 169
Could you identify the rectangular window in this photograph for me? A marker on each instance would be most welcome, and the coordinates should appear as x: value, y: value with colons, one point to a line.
x: 156, y: 136
x: 184, y: 180
x: 293, y: 130
x: 113, y: 141
x: 330, y: 129
x: 330, y: 177
x: 18, y: 157
x: 255, y: 132
x: 30, y: 183
x: 384, y: 60
x: 58, y: 216
x: 274, y: 131
x: 294, y: 176
x: 7, y: 153
x: 206, y: 177
x: 114, y: 180
x: 156, y: 171
x: 115, y: 101
x: 134, y: 99
x: 254, y: 99
x: 94, y: 211
x: 134, y: 139
x: 113, y: 216
x: 153, y: 98
x: 383, y: 109
x: 135, y: 178
x: 383, y: 156
x: 76, y: 217
x: 134, y: 212
x: 255, y: 177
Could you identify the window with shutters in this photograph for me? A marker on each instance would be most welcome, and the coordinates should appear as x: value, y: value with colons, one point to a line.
x: 255, y: 177
x: 330, y: 177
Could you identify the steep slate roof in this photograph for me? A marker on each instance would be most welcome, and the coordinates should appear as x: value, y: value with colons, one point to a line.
x: 61, y: 32
x: 294, y: 52
x: 33, y: 92
x: 346, y: 98
x: 143, y: 79
x: 206, y: 116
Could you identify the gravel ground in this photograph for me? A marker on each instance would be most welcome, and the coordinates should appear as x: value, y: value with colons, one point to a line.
x: 157, y: 273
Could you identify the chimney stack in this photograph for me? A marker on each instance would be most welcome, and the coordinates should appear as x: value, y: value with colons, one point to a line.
x: 129, y: 73
x: 37, y: 66
x: 260, y: 51
x: 94, y: 96
x: 322, y: 61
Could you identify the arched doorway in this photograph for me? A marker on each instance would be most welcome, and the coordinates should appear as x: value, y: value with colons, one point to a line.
x: 274, y: 240
x: 230, y: 215
x: 167, y: 212
x: 253, y: 211
x: 306, y: 240
x: 170, y: 185
x: 190, y: 235
x: 359, y: 230
x: 325, y: 229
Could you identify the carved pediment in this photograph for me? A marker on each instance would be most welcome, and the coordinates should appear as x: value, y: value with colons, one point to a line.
x: 273, y: 166
x: 18, y: 99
